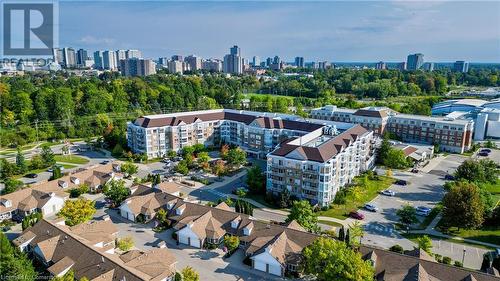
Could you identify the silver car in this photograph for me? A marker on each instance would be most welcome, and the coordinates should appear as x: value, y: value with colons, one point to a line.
x: 388, y: 192
x: 371, y: 208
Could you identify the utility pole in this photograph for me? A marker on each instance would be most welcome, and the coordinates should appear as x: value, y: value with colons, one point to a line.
x: 36, y: 126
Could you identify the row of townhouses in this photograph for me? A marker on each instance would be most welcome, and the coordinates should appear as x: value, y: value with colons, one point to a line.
x: 451, y: 134
x: 311, y: 158
x: 88, y: 249
x: 47, y: 197
x: 273, y: 248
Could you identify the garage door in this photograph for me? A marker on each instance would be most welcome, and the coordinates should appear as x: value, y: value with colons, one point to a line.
x: 195, y: 243
x: 123, y: 214
x: 183, y: 240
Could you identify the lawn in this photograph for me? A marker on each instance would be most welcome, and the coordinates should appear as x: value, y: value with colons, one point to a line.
x: 259, y: 198
x: 370, y: 191
x: 72, y: 159
x: 484, y: 234
x: 330, y: 223
x: 413, y: 237
x: 494, y: 189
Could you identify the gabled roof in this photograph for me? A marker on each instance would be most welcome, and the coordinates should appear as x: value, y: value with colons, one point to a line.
x: 60, y: 266
x: 96, y: 231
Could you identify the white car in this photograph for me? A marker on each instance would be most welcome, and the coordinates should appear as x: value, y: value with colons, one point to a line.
x: 423, y: 211
x: 388, y: 192
x: 371, y: 208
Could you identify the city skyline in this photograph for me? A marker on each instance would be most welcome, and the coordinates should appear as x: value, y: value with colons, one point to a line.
x: 371, y: 31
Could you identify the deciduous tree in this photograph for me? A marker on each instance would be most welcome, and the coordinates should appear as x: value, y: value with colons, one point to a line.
x: 463, y: 207
x: 77, y: 211
x: 303, y: 213
x: 116, y: 191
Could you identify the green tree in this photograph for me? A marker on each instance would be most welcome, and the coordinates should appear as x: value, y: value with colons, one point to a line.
x: 256, y: 180
x: 116, y: 191
x: 463, y: 207
x: 56, y: 172
x: 48, y: 155
x: 12, y: 185
x: 303, y: 213
x: 203, y: 158
x: 328, y: 259
x: 37, y: 162
x: 407, y: 215
x: 22, y: 167
x: 236, y: 157
x: 68, y: 276
x: 356, y: 233
x: 396, y: 159
x: 480, y: 171
x: 126, y: 243
x: 7, y: 168
x: 13, y: 262
x: 397, y: 249
x: 171, y: 154
x: 189, y: 274
x: 77, y: 211
x: 182, y: 168
x: 384, y: 149
x: 231, y: 242
x: 31, y: 219
x: 219, y: 168
x: 129, y: 168
x: 425, y: 243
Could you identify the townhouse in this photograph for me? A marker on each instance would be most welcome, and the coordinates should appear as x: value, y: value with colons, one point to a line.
x: 451, y: 134
x: 88, y: 250
x: 48, y: 197
x: 315, y: 166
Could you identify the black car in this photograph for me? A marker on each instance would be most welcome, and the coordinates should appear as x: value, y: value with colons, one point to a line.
x: 104, y: 162
x: 449, y: 177
x: 487, y: 150
x: 31, y: 176
x: 483, y: 153
x: 401, y: 182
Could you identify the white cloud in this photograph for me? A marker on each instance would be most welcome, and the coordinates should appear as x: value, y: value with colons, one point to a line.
x: 91, y: 40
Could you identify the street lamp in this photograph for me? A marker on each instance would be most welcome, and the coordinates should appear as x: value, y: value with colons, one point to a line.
x: 463, y: 257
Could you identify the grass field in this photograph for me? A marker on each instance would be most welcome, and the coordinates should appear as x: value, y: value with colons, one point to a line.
x: 367, y: 194
x: 484, y: 234
x: 73, y: 159
x: 494, y: 189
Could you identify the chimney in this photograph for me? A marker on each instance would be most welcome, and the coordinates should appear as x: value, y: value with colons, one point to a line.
x: 162, y: 244
x: 52, y: 194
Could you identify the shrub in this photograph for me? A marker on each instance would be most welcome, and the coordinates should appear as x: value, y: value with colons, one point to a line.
x: 438, y: 258
x: 446, y: 260
x: 458, y: 264
x: 396, y: 248
x: 125, y: 244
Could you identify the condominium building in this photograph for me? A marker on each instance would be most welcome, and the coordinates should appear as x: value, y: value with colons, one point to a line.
x: 109, y: 60
x: 233, y: 62
x: 461, y: 66
x: 214, y: 65
x: 451, y: 134
x: 299, y: 61
x: 380, y: 65
x: 137, y: 67
x: 316, y: 165
x: 193, y: 62
x: 176, y: 66
x: 415, y: 61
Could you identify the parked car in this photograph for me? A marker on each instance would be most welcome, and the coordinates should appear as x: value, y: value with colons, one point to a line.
x: 483, y: 153
x: 371, y: 207
x: 31, y: 176
x: 356, y: 215
x: 423, y: 211
x: 388, y: 192
x: 449, y: 177
x: 487, y: 150
x: 401, y: 182
x: 59, y: 166
x: 104, y: 162
x: 414, y: 170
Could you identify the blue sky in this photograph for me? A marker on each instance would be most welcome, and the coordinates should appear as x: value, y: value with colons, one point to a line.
x: 333, y: 31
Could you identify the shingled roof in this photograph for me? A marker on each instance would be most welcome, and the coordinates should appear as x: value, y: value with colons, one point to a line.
x: 325, y: 151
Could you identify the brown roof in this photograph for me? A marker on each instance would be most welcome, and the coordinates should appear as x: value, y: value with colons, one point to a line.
x: 170, y: 187
x: 59, y: 242
x: 409, y: 150
x: 421, y: 254
x: 38, y: 194
x: 391, y: 266
x: 382, y: 113
x: 326, y: 150
x: 96, y: 231
x: 264, y: 122
x: 148, y: 200
x: 223, y: 206
x: 61, y: 265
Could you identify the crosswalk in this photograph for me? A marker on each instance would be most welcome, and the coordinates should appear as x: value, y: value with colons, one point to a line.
x: 379, y: 228
x: 215, y: 192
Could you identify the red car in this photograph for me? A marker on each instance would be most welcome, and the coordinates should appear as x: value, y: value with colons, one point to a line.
x: 356, y: 215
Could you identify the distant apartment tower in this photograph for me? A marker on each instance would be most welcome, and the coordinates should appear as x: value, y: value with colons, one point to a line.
x: 130, y: 54
x: 57, y: 55
x: 193, y: 62
x: 66, y: 57
x: 380, y: 65
x: 299, y: 61
x: 233, y: 63
x: 269, y: 61
x: 176, y: 66
x: 255, y: 61
x: 81, y: 57
x: 121, y: 55
x: 401, y: 66
x: 98, y: 61
x: 212, y: 65
x: 461, y: 66
x: 324, y: 65
x: 177, y: 57
x: 137, y: 67
x: 109, y: 60
x: 415, y: 61
x: 428, y: 66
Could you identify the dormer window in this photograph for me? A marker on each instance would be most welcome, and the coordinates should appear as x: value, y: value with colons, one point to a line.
x: 247, y: 230
x: 75, y: 180
x: 63, y: 184
x: 170, y: 205
x: 179, y: 211
x: 234, y: 223
x: 6, y: 203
